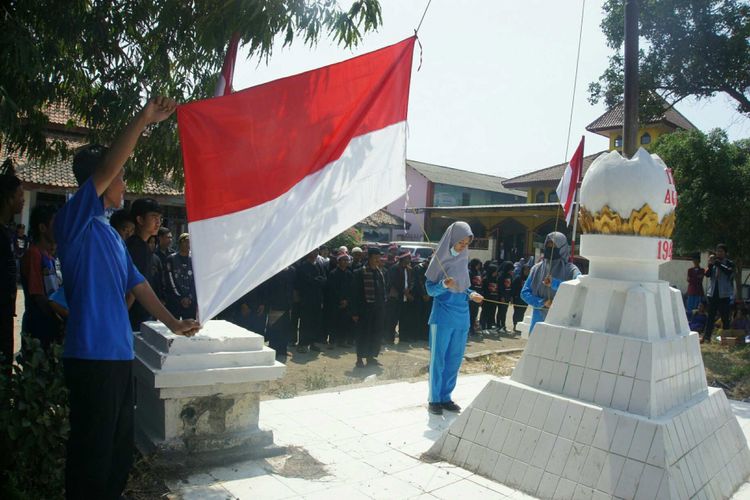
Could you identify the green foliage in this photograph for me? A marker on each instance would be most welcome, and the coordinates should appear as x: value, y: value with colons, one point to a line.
x: 34, y: 424
x: 351, y: 238
x: 712, y: 178
x: 103, y: 58
x: 697, y: 48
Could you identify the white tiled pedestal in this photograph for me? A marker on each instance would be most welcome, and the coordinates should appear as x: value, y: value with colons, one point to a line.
x: 197, y: 398
x: 609, y: 399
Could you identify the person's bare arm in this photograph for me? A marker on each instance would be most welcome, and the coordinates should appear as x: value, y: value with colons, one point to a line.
x: 156, y: 110
x: 148, y: 299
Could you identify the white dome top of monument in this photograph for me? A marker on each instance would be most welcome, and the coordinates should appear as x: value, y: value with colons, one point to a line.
x: 626, y: 185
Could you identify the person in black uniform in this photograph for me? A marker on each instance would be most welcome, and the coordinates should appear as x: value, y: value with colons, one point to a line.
x: 369, y: 308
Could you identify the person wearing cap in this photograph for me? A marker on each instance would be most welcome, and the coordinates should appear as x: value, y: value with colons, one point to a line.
x: 146, y: 214
x: 368, y: 308
x: 338, y: 299
x: 448, y: 283
x: 98, y: 347
x: 357, y: 259
x: 311, y: 282
x: 180, y: 280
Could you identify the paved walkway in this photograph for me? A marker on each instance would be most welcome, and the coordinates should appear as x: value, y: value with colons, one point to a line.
x: 360, y: 444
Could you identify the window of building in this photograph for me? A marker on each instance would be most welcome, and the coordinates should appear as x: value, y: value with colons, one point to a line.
x: 552, y: 198
x: 540, y: 197
x: 646, y: 138
x: 466, y: 199
x: 618, y: 141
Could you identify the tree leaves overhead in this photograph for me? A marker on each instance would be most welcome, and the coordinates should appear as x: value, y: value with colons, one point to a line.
x: 692, y: 48
x: 712, y: 178
x: 104, y: 57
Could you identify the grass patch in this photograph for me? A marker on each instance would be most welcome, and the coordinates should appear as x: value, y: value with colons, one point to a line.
x: 728, y: 368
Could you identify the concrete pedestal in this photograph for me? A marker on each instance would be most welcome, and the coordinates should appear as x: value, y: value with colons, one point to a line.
x: 197, y: 399
x: 610, y: 398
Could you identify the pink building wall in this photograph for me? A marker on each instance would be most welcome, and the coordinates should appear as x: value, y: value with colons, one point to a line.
x: 417, y: 199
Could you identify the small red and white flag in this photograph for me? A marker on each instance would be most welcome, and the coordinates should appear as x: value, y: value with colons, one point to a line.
x: 566, y: 189
x: 274, y: 171
x: 224, y: 85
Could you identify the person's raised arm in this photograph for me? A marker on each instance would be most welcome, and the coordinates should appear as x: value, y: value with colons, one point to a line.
x: 156, y: 110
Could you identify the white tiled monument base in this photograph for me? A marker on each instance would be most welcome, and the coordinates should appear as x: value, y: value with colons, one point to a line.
x: 550, y: 446
x: 197, y: 398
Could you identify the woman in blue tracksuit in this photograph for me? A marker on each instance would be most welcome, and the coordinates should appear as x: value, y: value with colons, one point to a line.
x: 448, y: 283
x: 545, y: 277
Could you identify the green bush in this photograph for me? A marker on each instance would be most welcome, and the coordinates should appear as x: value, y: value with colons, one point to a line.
x: 349, y: 238
x: 34, y: 424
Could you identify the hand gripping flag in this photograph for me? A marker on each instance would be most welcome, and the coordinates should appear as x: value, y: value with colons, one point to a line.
x: 274, y: 171
x: 566, y: 189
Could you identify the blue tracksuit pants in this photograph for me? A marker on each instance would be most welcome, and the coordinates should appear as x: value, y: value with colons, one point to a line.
x: 447, y: 347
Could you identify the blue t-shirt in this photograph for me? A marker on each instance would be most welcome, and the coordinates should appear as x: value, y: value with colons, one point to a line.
x: 98, y: 272
x: 449, y: 309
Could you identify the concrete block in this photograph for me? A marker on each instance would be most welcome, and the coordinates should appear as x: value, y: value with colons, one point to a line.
x: 583, y: 492
x: 597, y: 348
x: 488, y: 462
x: 631, y: 351
x: 502, y: 468
x: 516, y: 473
x: 642, y: 439
x: 573, y: 469
x: 511, y: 402
x: 649, y: 482
x: 623, y: 437
x: 472, y: 426
x: 458, y: 426
x: 462, y: 452
x: 551, y: 336
x: 605, y: 389
x: 525, y: 407
x: 592, y: 467
x: 513, y: 439
x: 486, y: 428
x: 475, y: 456
x: 544, y: 374
x: 621, y: 397
x: 640, y: 398
x: 555, y: 416
x: 559, y: 456
x: 543, y: 449
x: 497, y: 439
x: 589, y: 380
x: 605, y: 431
x: 528, y: 444
x: 565, y: 489
x: 587, y: 426
x: 559, y: 371
x: 572, y: 384
x: 645, y: 359
x: 581, y: 348
x: 547, y: 485
x: 531, y: 479
x: 613, y: 354
x: 540, y: 411
x: 565, y: 345
x: 571, y: 421
x: 497, y: 398
x: 628, y: 482
x: 449, y: 447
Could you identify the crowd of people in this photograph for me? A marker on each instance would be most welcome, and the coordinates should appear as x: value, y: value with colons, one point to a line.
x: 715, y: 305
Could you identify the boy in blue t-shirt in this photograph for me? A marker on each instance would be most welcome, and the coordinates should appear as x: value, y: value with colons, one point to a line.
x: 98, y: 349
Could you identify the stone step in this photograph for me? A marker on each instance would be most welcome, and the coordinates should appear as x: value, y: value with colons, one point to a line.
x: 182, y: 362
x: 216, y: 335
x: 156, y: 378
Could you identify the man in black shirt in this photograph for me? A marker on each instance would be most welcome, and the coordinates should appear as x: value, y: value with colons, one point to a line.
x: 311, y: 281
x: 181, y: 284
x: 368, y: 308
x: 146, y: 214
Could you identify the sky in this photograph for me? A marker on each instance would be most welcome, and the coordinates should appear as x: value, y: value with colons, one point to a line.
x: 495, y: 88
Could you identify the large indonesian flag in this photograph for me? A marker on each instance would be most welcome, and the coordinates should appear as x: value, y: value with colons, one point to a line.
x: 276, y: 170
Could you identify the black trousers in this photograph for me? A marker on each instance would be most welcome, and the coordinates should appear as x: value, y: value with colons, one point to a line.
x: 473, y: 310
x: 392, y: 315
x: 519, y: 311
x: 6, y: 338
x: 487, y: 316
x: 370, y: 331
x: 716, y: 304
x: 279, y: 334
x: 310, y: 323
x: 100, y: 446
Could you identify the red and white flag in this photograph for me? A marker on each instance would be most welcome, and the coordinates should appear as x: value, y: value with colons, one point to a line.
x: 274, y: 171
x: 566, y: 189
x: 224, y: 85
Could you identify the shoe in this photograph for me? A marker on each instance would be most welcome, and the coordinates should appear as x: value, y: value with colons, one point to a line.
x: 359, y: 364
x: 435, y: 408
x: 451, y: 406
x: 373, y: 362
x: 315, y: 348
x: 331, y: 347
x: 302, y: 349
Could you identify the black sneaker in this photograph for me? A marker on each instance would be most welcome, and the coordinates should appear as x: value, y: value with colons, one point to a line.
x: 451, y: 406
x: 373, y: 362
x: 359, y: 364
x: 315, y: 348
x: 435, y: 408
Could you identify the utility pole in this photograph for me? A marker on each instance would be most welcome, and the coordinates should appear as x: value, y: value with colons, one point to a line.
x: 630, y: 100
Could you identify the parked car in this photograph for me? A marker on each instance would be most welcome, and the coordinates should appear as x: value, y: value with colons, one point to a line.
x: 419, y: 250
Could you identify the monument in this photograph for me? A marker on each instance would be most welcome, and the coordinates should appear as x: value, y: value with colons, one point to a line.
x: 610, y: 398
x: 197, y: 398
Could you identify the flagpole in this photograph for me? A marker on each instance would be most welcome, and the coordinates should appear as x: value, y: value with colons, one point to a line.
x: 576, y: 207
